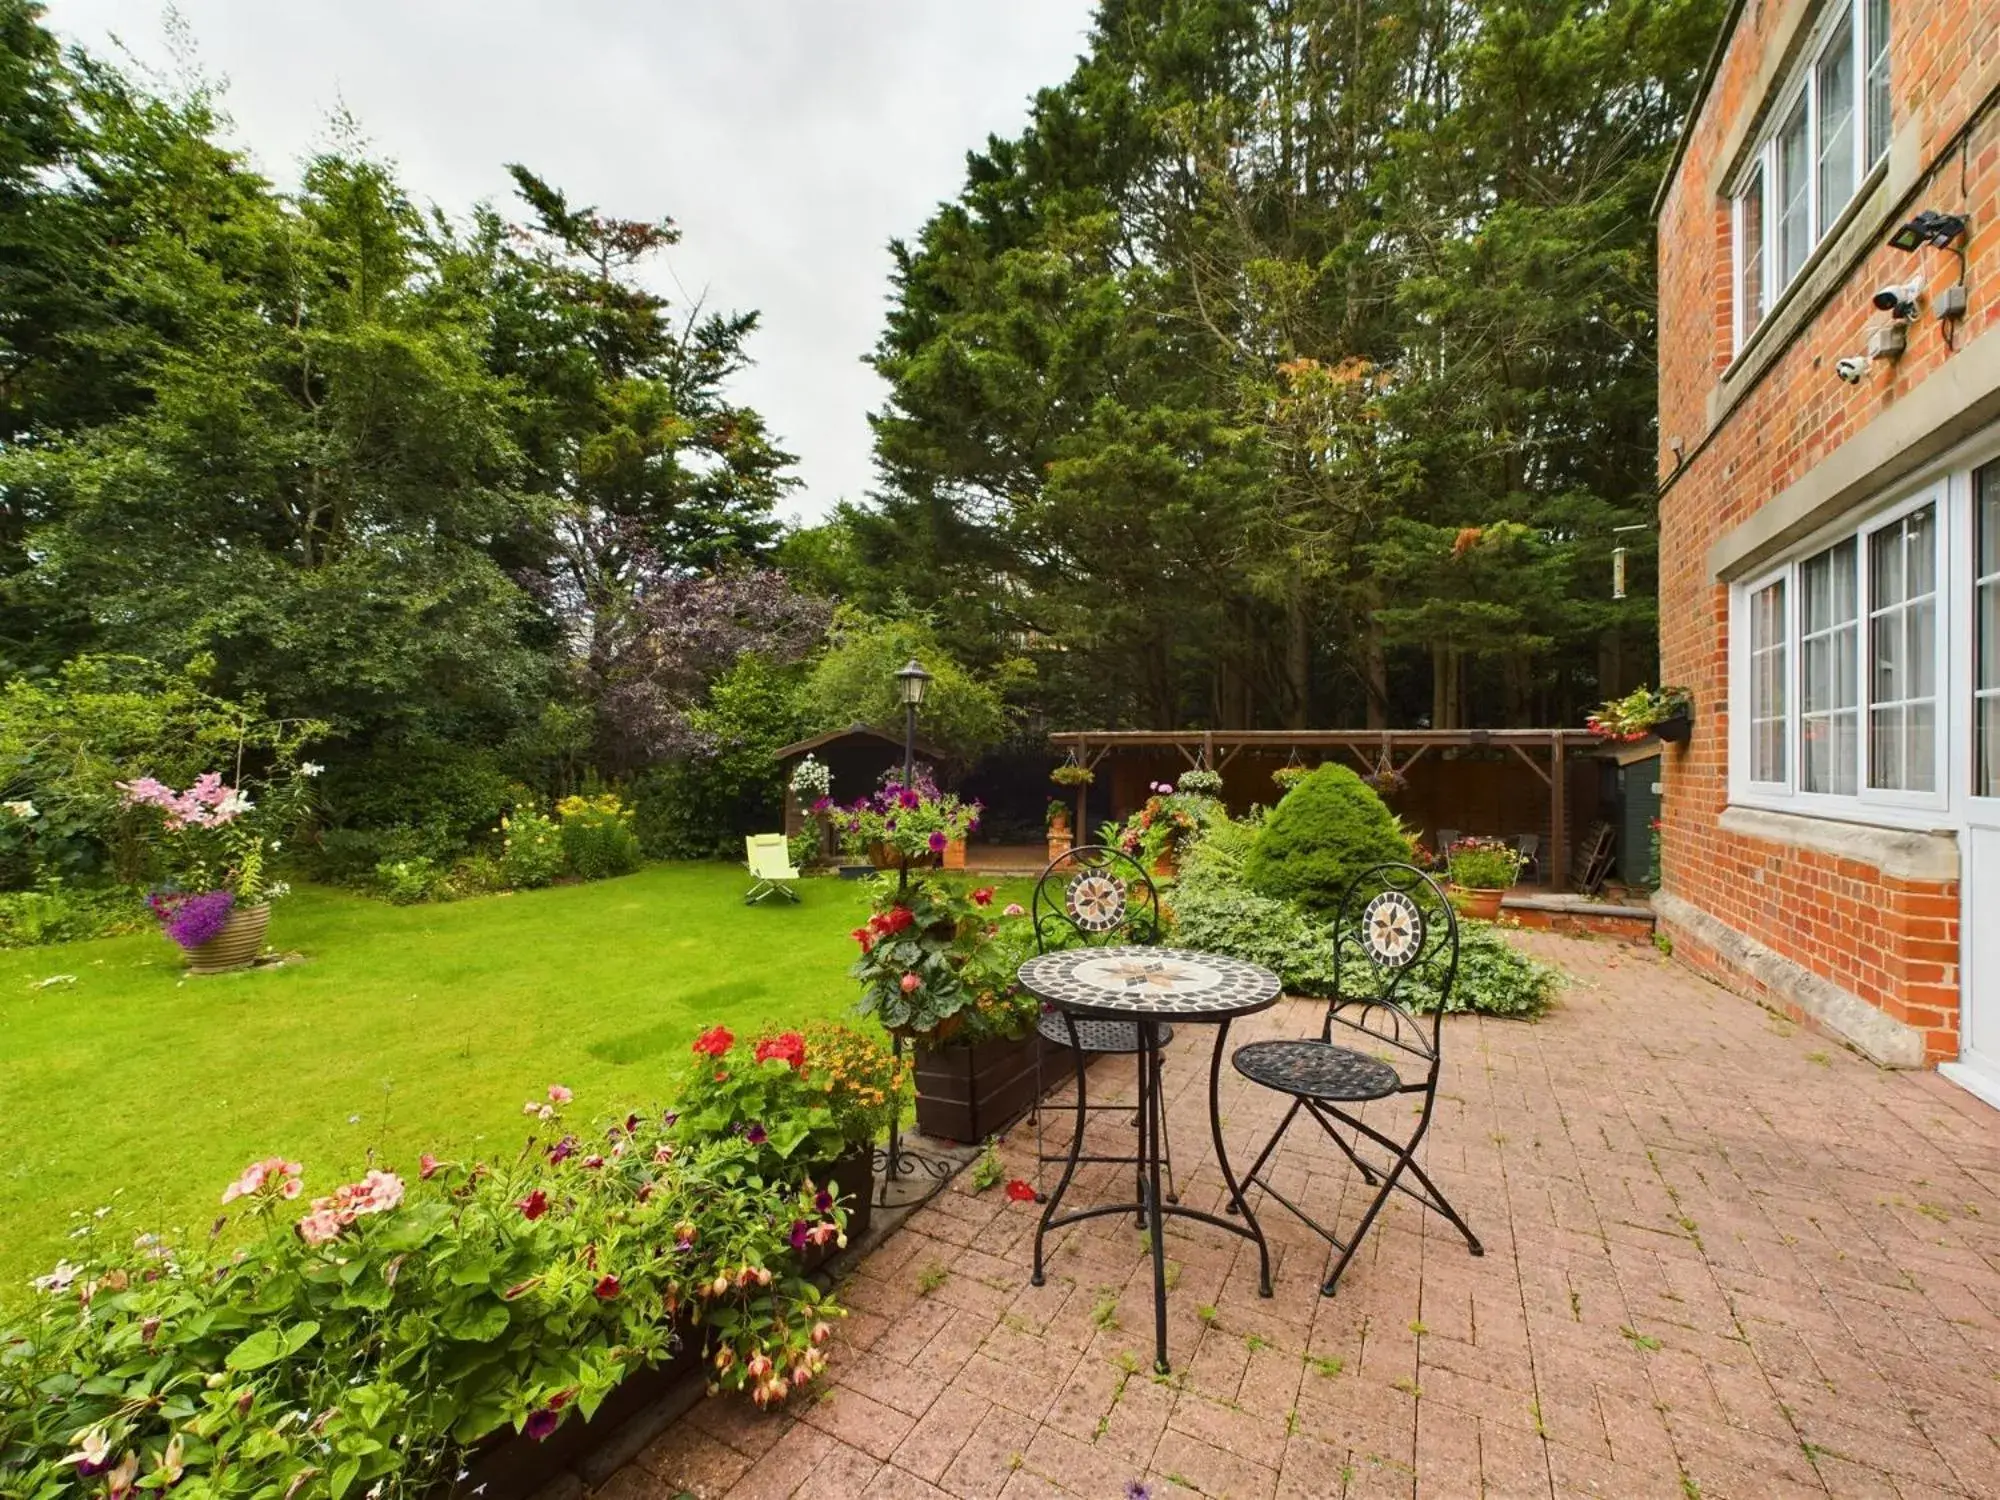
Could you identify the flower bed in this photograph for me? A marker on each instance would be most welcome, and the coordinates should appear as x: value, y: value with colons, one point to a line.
x: 374, y: 1340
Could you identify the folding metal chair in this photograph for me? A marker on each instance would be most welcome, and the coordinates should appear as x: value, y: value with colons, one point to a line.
x: 1529, y: 847
x: 1097, y: 896
x: 770, y: 861
x: 1395, y: 931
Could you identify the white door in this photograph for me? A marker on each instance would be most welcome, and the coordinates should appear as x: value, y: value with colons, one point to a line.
x: 1978, y: 1065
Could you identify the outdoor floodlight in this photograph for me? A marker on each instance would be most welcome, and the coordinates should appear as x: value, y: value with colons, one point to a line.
x: 1928, y: 228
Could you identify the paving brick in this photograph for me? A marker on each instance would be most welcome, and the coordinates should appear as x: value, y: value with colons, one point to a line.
x: 1814, y: 1303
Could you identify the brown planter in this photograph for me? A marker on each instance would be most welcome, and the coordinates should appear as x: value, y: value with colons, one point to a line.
x: 1059, y: 844
x: 855, y: 1172
x: 1475, y: 902
x: 969, y: 1093
x: 954, y: 855
x: 238, y: 944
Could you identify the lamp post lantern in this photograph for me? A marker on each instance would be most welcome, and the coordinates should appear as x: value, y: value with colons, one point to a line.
x: 910, y: 685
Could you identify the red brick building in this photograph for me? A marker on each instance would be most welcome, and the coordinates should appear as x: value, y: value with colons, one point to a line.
x: 1830, y: 522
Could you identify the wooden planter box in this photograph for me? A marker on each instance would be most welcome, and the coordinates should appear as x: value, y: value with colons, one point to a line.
x: 969, y: 1093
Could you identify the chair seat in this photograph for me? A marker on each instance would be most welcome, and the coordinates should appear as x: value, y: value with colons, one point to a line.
x: 1097, y: 1036
x: 1317, y: 1070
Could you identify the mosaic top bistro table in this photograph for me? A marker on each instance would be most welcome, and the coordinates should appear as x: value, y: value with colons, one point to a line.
x: 1149, y: 986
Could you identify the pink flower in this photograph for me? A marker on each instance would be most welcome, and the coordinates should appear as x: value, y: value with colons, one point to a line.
x: 559, y: 1095
x: 320, y: 1226
x: 1014, y: 909
x: 427, y: 1166
x: 910, y: 983
x: 273, y: 1174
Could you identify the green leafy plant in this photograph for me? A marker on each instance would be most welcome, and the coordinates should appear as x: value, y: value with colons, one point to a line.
x: 1324, y: 833
x: 405, y: 882
x: 1213, y: 908
x: 1200, y: 782
x: 989, y: 1171
x: 1494, y: 979
x: 937, y: 962
x: 597, y: 837
x: 1287, y: 777
x: 531, y: 849
x: 1070, y: 773
x: 1483, y: 864
x: 56, y: 911
x: 411, y: 1315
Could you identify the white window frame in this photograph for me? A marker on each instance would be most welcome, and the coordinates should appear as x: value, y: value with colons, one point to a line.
x: 1802, y: 81
x: 1867, y: 804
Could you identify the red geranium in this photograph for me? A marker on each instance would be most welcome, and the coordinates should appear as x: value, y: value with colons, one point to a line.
x: 983, y: 896
x: 865, y: 938
x: 715, y: 1041
x: 788, y: 1045
x: 1021, y: 1192
x: 899, y: 918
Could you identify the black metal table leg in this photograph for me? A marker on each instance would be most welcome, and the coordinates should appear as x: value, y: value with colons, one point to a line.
x: 1150, y: 1131
x: 1075, y: 1150
x: 1239, y: 1206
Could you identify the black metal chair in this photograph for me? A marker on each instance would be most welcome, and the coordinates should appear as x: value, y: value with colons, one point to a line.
x: 1396, y: 931
x: 1095, y: 895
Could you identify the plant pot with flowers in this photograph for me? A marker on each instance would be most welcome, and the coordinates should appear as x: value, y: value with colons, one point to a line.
x: 808, y: 1107
x: 910, y: 827
x: 1481, y: 871
x: 1171, y: 819
x: 938, y: 966
x: 1667, y: 712
x: 214, y: 843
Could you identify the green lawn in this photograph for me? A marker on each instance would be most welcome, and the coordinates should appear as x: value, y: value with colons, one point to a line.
x: 405, y: 1029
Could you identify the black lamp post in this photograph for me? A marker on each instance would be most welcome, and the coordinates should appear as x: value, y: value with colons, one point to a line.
x: 910, y: 685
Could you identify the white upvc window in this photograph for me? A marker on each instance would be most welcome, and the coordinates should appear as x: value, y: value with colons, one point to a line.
x: 1829, y: 129
x: 1840, y: 667
x: 1986, y: 632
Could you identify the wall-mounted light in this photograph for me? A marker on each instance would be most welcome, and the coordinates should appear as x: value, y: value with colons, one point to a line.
x: 1928, y: 228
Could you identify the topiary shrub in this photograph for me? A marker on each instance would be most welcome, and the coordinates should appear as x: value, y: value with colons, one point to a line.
x: 1321, y: 835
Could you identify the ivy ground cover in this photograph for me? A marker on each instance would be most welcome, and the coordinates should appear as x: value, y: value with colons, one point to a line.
x: 405, y: 1030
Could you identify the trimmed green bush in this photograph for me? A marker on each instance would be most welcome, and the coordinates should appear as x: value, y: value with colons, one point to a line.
x: 1321, y: 835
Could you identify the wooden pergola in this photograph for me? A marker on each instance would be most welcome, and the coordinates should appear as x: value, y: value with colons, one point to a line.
x: 1544, y: 751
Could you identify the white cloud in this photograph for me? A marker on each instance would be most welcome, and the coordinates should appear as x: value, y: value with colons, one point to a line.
x: 789, y: 141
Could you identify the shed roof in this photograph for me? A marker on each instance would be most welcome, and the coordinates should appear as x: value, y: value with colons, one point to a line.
x: 852, y: 732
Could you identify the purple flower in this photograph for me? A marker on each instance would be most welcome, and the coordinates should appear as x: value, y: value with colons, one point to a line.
x: 824, y: 1202
x: 1137, y: 1491
x: 799, y: 1234
x: 821, y: 804
x: 541, y: 1424
x: 890, y: 825
x: 191, y: 920
x: 756, y: 1135
x: 909, y: 799
x: 562, y: 1150
x: 937, y: 843
x: 669, y: 1117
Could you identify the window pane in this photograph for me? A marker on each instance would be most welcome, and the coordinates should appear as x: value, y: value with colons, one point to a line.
x: 1794, y: 230
x: 1828, y: 684
x: 1836, y: 125
x: 1878, y: 80
x: 1767, y: 683
x: 1902, y: 653
x: 1752, y: 214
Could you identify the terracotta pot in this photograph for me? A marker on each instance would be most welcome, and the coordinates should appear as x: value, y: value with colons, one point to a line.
x: 954, y: 855
x: 1475, y: 902
x: 237, y: 945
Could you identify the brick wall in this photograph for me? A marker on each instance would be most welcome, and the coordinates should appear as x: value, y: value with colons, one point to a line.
x: 1893, y: 943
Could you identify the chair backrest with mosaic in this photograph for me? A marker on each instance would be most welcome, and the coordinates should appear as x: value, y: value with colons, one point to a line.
x: 1095, y: 896
x: 1395, y: 941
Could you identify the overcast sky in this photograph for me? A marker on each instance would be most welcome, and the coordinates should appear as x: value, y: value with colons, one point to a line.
x: 789, y: 140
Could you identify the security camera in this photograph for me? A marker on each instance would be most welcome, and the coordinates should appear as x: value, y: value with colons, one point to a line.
x: 1852, y: 368
x: 1902, y: 301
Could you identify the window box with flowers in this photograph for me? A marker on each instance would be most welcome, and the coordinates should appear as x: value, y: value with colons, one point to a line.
x: 214, y: 843
x: 1667, y: 712
x: 938, y: 966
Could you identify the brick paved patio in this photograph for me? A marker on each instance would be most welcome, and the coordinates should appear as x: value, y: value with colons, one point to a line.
x: 1724, y: 1258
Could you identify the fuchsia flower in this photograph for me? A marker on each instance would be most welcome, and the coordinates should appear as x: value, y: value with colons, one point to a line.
x: 799, y: 1231
x: 542, y: 1424
x: 938, y: 842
